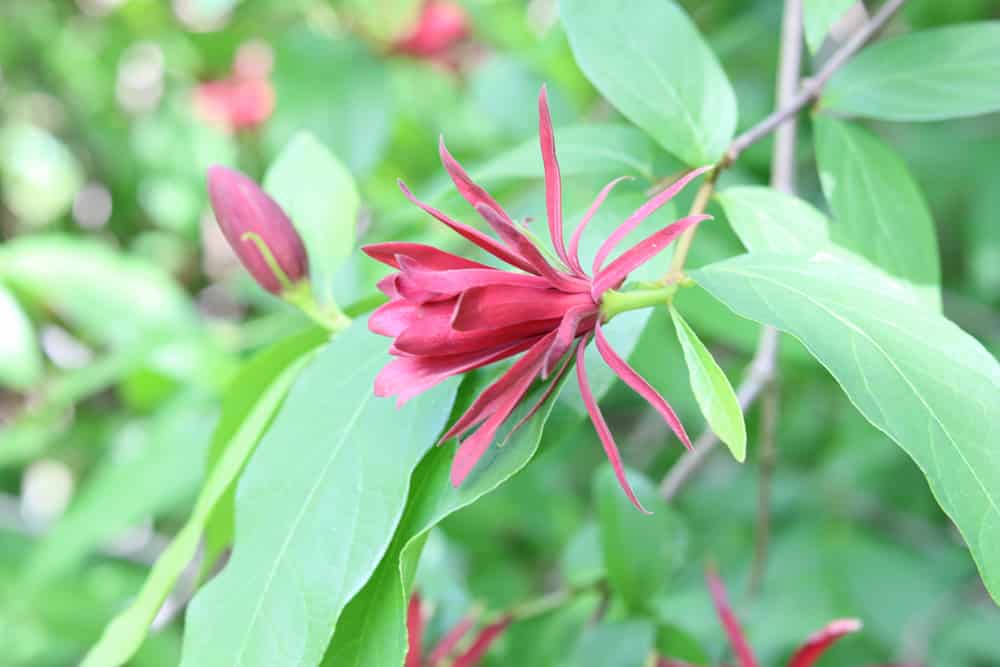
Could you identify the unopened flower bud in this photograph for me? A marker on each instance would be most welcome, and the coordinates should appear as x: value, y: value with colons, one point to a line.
x: 441, y: 25
x: 258, y: 230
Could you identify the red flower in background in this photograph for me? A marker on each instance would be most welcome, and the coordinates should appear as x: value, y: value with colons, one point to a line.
x: 244, y: 99
x: 805, y: 656
x: 449, y: 315
x: 441, y: 654
x: 441, y: 25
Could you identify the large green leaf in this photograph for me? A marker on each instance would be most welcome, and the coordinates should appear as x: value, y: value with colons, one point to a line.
x: 254, y: 395
x: 712, y: 390
x: 912, y: 373
x: 614, y: 644
x: 819, y: 16
x: 947, y: 72
x: 878, y: 209
x: 648, y: 59
x: 373, y: 629
x: 767, y: 220
x: 641, y: 552
x: 319, y: 195
x: 315, y: 510
x: 20, y: 358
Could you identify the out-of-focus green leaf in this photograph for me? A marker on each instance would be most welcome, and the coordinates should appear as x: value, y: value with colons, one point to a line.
x: 604, y: 150
x: 247, y: 409
x: 614, y: 644
x: 154, y: 465
x: 384, y: 20
x: 319, y: 195
x: 648, y: 59
x: 641, y: 551
x: 582, y: 563
x: 335, y: 90
x: 819, y: 16
x: 672, y: 642
x: 913, y: 374
x: 315, y: 510
x: 767, y: 220
x: 40, y: 175
x: 712, y: 390
x: 878, y: 209
x: 947, y: 72
x: 111, y: 297
x: 20, y: 359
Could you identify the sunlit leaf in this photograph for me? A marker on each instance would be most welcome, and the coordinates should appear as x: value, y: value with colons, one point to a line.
x: 20, y: 358
x: 40, y: 175
x: 767, y: 220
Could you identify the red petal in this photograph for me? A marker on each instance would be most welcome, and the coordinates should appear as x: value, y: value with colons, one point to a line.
x: 447, y: 644
x: 455, y: 281
x: 414, y: 632
x: 818, y: 642
x: 427, y: 256
x: 601, y: 426
x: 641, y: 214
x: 475, y: 195
x: 640, y: 386
x: 496, y: 306
x: 482, y: 240
x: 388, y: 287
x: 574, y: 242
x: 556, y: 381
x: 568, y: 330
x: 729, y: 620
x: 408, y: 376
x: 482, y: 643
x: 392, y: 318
x: 514, y: 238
x: 553, y: 181
x: 639, y: 254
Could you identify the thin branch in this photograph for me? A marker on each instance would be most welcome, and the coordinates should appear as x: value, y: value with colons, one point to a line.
x: 767, y: 460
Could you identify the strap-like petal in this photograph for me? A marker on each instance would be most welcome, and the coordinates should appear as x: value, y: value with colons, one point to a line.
x: 640, y: 386
x: 639, y: 254
x: 574, y: 241
x: 425, y: 255
x: 472, y: 193
x: 601, y: 426
x: 818, y: 642
x: 641, y: 214
x: 493, y: 306
x: 553, y: 181
x: 729, y: 621
x: 414, y: 632
x: 458, y: 280
x: 448, y: 643
x: 482, y: 643
x: 565, y: 334
x: 472, y: 234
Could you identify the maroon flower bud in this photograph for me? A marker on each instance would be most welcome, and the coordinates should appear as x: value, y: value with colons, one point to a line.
x: 441, y: 25
x: 258, y: 230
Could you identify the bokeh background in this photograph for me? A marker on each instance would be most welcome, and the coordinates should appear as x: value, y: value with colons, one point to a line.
x: 123, y: 314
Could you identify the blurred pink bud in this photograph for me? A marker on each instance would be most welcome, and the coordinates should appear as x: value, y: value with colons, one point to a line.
x: 441, y: 25
x: 257, y: 229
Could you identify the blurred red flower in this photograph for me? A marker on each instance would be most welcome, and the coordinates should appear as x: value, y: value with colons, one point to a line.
x: 442, y: 25
x: 443, y: 653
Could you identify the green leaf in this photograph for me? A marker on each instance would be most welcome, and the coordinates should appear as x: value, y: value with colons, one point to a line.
x: 582, y: 562
x: 614, y: 644
x: 605, y: 150
x: 948, y: 72
x: 912, y: 373
x: 641, y: 551
x: 315, y: 510
x: 109, y: 296
x: 319, y: 195
x: 154, y: 466
x: 648, y: 59
x: 877, y: 206
x: 373, y: 629
x: 20, y: 358
x: 819, y: 16
x: 712, y: 390
x: 253, y: 397
x: 767, y: 220
x: 385, y: 20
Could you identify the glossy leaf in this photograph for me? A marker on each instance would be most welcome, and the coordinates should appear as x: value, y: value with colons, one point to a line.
x: 315, y: 510
x: 641, y: 552
x: 878, y: 209
x: 947, y: 72
x: 648, y: 59
x: 20, y: 358
x: 912, y: 373
x: 712, y: 390
x: 254, y: 395
x: 767, y: 220
x: 318, y: 194
x: 819, y: 16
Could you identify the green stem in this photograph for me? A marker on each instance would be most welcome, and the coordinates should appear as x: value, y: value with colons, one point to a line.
x: 329, y: 317
x: 614, y: 302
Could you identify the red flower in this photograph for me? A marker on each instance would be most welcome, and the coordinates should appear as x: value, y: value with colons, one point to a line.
x: 258, y: 230
x: 449, y: 315
x: 442, y: 653
x: 441, y: 25
x: 806, y: 655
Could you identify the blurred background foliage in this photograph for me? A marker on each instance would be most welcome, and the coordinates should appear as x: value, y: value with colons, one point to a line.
x: 123, y: 315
